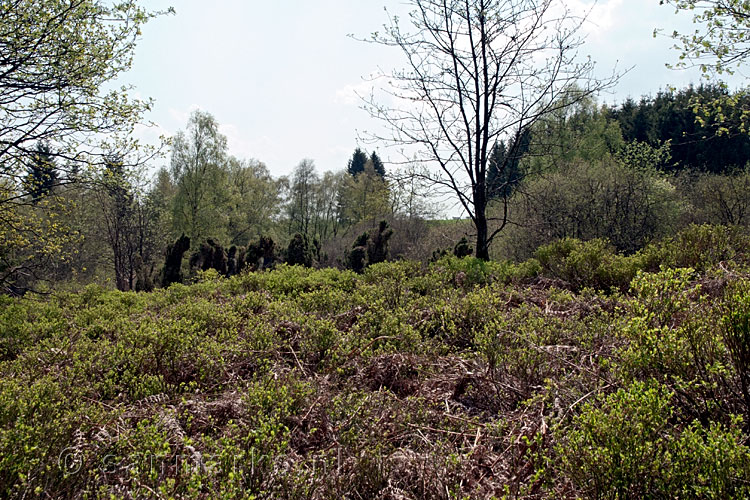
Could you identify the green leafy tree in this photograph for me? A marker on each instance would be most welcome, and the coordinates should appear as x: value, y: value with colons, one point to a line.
x: 127, y: 220
x: 57, y: 59
x: 255, y: 200
x: 301, y: 207
x: 719, y: 45
x: 578, y: 130
x: 365, y: 197
x: 198, y: 169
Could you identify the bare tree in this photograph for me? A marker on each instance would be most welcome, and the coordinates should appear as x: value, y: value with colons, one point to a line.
x: 478, y: 71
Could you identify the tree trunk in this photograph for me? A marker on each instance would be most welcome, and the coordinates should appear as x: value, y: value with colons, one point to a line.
x: 480, y: 221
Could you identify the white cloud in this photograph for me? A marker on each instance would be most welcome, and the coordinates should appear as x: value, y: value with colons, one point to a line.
x: 180, y: 117
x: 351, y: 95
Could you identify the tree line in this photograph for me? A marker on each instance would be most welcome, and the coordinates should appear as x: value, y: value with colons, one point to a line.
x: 77, y: 204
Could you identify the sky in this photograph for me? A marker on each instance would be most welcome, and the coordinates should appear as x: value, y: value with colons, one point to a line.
x: 281, y: 77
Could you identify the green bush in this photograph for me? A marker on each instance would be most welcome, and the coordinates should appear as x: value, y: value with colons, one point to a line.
x: 587, y: 264
x: 699, y: 247
x: 625, y: 445
x: 736, y: 323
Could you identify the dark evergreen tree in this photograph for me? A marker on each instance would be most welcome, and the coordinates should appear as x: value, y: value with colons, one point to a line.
x: 377, y: 164
x: 462, y: 248
x: 357, y: 163
x: 377, y: 247
x: 362, y: 240
x: 496, y: 164
x: 172, y: 273
x: 356, y: 259
x: 299, y: 252
x: 210, y: 255
x: 219, y: 259
x: 42, y: 172
x: 504, y: 165
x: 368, y: 250
x: 232, y: 254
x: 696, y: 142
x: 261, y: 254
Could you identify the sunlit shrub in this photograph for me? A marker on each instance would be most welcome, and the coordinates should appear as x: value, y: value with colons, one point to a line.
x: 594, y: 264
x: 626, y: 445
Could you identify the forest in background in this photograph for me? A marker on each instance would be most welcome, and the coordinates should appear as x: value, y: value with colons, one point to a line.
x: 628, y: 173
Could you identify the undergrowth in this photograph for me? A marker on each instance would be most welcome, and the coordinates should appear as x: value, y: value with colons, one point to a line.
x: 581, y: 373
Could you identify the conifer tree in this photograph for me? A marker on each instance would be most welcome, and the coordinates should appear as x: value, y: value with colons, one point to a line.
x: 42, y: 172
x: 357, y: 163
x: 377, y: 164
x: 299, y: 252
x: 377, y: 247
x: 173, y: 262
x: 504, y: 165
x: 462, y: 248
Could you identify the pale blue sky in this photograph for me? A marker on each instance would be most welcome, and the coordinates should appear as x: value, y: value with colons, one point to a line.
x: 279, y: 76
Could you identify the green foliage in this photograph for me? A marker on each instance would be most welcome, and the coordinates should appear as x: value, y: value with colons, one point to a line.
x: 736, y: 323
x: 368, y: 250
x: 198, y: 168
x: 722, y: 40
x: 377, y: 164
x: 694, y: 122
x: 699, y: 247
x: 172, y: 272
x: 357, y: 163
x: 356, y: 258
x: 594, y: 264
x: 364, y: 197
x: 577, y: 131
x: 299, y: 252
x: 623, y: 446
x: 42, y: 172
x: 504, y: 165
x: 462, y: 248
x: 299, y: 381
x: 259, y: 255
x: 210, y: 255
x: 377, y: 247
x: 624, y: 200
x: 717, y: 198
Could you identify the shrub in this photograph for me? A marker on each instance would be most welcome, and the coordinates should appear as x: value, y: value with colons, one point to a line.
x: 625, y: 446
x: 594, y: 264
x: 623, y: 201
x: 462, y: 248
x: 699, y: 247
x: 171, y: 272
x: 299, y: 252
x: 736, y: 329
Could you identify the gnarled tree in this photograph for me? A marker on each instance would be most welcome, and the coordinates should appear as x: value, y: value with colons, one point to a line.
x: 477, y: 71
